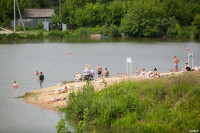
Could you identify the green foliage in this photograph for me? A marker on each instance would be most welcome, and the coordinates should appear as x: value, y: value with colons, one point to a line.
x: 114, y: 31
x: 61, y: 127
x: 55, y: 18
x: 162, y: 105
x: 134, y: 18
x: 40, y: 34
x: 104, y: 30
x: 111, y: 30
x: 38, y: 27
x: 7, y: 11
x: 55, y: 33
x: 196, y: 24
x: 82, y: 32
x: 146, y: 19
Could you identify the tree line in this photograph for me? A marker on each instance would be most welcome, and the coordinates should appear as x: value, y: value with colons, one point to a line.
x: 135, y: 18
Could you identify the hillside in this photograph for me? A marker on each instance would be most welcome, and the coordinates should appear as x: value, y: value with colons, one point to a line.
x: 169, y: 104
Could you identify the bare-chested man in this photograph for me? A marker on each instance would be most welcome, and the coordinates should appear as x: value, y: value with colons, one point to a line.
x: 99, y: 71
x: 176, y: 61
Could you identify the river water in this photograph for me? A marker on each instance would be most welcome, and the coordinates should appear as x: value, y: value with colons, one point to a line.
x: 20, y: 59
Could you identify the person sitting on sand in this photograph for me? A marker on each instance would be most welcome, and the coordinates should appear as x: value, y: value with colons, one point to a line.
x: 106, y: 73
x: 60, y: 92
x: 15, y: 84
x: 156, y: 74
x: 56, y: 99
x: 186, y: 68
x: 78, y: 77
x: 143, y: 72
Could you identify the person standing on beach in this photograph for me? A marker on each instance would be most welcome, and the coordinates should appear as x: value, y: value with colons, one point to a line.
x: 176, y: 61
x: 99, y: 71
x: 41, y: 79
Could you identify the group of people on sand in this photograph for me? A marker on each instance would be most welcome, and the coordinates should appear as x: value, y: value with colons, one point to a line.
x: 151, y: 74
x: 185, y: 69
x: 90, y: 74
x: 154, y: 73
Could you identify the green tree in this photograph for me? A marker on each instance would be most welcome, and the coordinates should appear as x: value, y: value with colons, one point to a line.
x: 196, y: 24
x: 115, y: 12
x: 146, y: 19
x: 7, y: 11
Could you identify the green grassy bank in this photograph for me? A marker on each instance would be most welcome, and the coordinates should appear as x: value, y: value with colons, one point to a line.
x: 168, y: 104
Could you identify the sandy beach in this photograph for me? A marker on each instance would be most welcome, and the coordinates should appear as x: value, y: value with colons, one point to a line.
x: 42, y: 96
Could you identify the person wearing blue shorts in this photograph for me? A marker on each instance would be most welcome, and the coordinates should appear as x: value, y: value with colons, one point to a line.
x: 40, y: 79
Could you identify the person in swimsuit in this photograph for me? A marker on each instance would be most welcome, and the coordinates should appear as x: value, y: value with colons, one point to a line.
x: 56, y: 99
x: 15, y: 84
x: 106, y: 73
x: 176, y: 61
x: 99, y: 71
x: 36, y: 73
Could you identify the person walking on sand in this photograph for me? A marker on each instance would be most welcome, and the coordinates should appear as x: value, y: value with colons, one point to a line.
x: 41, y: 79
x: 176, y: 61
x: 99, y: 71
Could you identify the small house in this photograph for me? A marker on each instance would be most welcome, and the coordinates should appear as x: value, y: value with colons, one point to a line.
x: 39, y: 15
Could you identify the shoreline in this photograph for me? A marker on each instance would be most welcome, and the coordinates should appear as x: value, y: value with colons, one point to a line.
x: 41, y: 97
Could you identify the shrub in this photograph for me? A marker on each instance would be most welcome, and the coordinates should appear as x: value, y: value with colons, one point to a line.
x: 55, y: 33
x: 40, y: 34
x: 82, y: 32
x: 114, y: 31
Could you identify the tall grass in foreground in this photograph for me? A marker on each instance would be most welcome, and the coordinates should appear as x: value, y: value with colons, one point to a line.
x: 162, y: 105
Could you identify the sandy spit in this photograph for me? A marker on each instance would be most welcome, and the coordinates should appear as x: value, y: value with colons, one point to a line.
x: 42, y: 96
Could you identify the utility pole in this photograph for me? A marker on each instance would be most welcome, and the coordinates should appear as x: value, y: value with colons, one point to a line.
x: 14, y: 17
x: 22, y: 22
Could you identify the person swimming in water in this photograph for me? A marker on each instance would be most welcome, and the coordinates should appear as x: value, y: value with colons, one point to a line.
x: 36, y: 73
x: 15, y: 84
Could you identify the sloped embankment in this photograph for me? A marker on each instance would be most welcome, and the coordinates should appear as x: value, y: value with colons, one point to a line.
x: 168, y: 104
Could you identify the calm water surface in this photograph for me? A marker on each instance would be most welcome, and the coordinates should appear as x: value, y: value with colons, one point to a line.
x: 20, y: 59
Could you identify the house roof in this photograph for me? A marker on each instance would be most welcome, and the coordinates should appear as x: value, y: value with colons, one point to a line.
x: 37, y: 13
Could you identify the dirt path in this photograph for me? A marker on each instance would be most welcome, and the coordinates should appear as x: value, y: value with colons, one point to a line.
x: 5, y: 31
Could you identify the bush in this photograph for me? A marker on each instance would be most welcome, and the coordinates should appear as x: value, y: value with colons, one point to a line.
x: 55, y: 33
x: 82, y: 32
x: 196, y: 24
x: 40, y: 34
x: 38, y: 27
x: 114, y: 31
x: 104, y: 30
